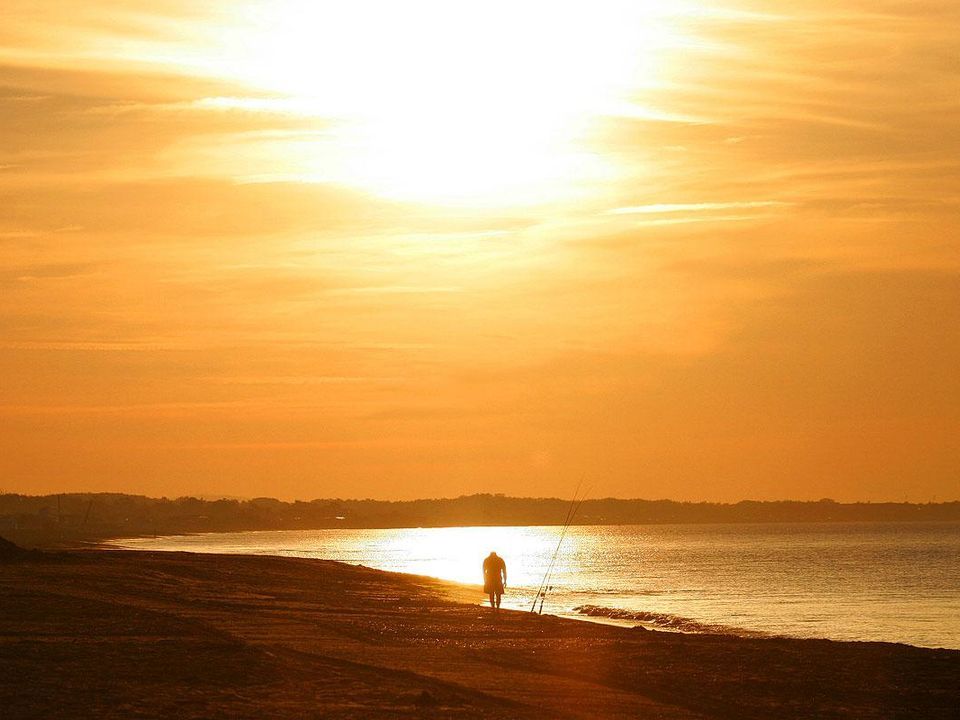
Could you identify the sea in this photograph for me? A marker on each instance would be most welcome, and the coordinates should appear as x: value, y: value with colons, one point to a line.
x: 891, y: 582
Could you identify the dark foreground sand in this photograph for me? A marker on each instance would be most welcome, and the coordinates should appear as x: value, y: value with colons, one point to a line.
x: 111, y: 634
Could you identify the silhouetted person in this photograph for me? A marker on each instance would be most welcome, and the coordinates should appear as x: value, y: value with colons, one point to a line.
x: 494, y: 578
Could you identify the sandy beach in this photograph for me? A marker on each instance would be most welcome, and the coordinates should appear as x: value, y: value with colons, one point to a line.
x: 119, y: 634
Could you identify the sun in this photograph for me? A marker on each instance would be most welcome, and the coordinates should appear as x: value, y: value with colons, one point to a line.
x: 486, y: 103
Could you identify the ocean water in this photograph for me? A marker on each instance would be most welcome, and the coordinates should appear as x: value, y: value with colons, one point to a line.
x: 896, y: 582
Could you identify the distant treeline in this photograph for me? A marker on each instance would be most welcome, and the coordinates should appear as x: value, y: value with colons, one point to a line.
x: 51, y: 518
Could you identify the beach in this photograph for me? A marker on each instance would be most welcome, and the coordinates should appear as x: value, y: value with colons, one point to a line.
x: 118, y: 634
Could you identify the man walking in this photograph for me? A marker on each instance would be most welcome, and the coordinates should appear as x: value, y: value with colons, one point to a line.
x: 494, y: 578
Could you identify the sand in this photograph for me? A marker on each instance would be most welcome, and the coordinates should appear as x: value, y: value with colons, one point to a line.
x: 115, y: 634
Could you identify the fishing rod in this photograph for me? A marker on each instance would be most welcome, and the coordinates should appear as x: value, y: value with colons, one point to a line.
x: 548, y: 585
x: 545, y: 583
x: 566, y: 520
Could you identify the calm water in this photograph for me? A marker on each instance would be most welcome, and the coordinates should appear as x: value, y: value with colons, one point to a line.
x: 898, y: 582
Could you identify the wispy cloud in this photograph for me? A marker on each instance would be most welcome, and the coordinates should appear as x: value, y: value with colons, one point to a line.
x: 91, y: 345
x: 299, y: 380
x: 395, y: 290
x: 702, y: 219
x: 659, y: 208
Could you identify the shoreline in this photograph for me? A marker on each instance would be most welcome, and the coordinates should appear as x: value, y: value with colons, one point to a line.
x: 476, y: 589
x: 584, y: 611
x: 175, y: 634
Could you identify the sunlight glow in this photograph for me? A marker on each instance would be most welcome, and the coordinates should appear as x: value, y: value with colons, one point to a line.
x: 456, y: 553
x: 438, y: 101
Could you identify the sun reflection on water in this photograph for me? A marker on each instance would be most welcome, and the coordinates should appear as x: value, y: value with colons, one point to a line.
x: 457, y: 553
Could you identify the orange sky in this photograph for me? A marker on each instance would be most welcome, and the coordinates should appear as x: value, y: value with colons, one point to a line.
x: 363, y: 249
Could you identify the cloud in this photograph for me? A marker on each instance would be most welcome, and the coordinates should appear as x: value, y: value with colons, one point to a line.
x: 660, y: 208
x: 189, y: 208
x: 26, y: 273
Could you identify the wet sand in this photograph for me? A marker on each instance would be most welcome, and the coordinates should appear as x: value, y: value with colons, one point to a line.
x: 120, y: 634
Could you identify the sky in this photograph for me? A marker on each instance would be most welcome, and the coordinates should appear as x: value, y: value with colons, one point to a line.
x: 690, y: 250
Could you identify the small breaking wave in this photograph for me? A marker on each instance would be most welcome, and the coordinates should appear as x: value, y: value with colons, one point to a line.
x: 664, y: 621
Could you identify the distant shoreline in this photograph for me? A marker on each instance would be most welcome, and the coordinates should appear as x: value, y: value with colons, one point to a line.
x: 53, y: 519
